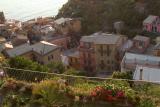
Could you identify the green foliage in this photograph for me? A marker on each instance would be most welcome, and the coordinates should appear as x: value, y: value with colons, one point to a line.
x: 146, y: 102
x: 73, y: 71
x: 49, y: 93
x: 57, y: 67
x: 122, y: 75
x: 55, y: 93
x: 24, y: 63
x: 100, y: 14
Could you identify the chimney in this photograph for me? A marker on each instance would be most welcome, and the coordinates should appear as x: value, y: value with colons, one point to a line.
x: 141, y: 74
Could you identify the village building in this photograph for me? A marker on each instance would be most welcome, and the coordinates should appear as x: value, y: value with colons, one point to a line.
x: 71, y: 58
x: 66, y: 26
x: 42, y: 52
x: 144, y: 73
x: 100, y: 52
x: 131, y: 60
x: 152, y: 24
x: 140, y: 44
x: 157, y: 50
x: 59, y: 40
x: 19, y: 40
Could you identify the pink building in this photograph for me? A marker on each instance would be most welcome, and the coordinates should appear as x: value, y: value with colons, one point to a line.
x: 152, y: 24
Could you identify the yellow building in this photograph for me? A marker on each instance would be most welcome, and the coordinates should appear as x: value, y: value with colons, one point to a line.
x: 106, y: 51
x: 42, y: 52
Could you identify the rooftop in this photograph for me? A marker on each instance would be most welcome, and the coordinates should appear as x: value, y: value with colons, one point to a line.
x: 101, y: 38
x: 141, y: 59
x: 62, y: 20
x: 72, y: 53
x: 41, y: 48
x: 150, y: 19
x: 141, y: 38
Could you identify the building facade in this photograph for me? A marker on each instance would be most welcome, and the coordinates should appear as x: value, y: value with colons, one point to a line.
x: 42, y: 52
x: 100, y: 52
x: 140, y: 44
x: 152, y: 24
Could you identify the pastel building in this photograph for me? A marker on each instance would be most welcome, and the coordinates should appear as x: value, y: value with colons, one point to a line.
x: 100, y: 52
x: 152, y: 24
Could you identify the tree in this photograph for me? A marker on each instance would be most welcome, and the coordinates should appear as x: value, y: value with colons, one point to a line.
x: 122, y: 75
x: 24, y: 63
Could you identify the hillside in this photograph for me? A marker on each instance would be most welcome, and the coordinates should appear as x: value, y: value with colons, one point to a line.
x: 100, y: 14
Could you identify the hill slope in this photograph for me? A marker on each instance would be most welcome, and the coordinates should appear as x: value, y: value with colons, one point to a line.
x: 100, y: 14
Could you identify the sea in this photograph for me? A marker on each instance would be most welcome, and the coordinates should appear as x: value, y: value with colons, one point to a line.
x: 24, y: 10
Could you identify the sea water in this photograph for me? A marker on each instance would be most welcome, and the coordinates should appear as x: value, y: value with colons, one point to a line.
x: 28, y: 9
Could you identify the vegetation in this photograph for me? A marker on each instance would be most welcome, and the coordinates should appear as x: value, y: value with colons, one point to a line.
x: 75, y: 72
x: 122, y: 75
x: 101, y: 14
x: 58, y: 93
x: 24, y: 63
x: 57, y: 67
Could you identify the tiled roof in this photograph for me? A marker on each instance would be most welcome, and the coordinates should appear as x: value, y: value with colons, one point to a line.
x: 150, y: 19
x: 41, y: 48
x: 101, y: 38
x: 141, y: 59
x: 141, y: 38
x: 72, y: 53
x: 148, y: 74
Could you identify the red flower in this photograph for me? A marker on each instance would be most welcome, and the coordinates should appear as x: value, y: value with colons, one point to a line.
x: 120, y: 94
x: 98, y: 88
x: 93, y: 94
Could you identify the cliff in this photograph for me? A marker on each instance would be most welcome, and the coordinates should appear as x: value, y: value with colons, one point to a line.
x: 101, y: 14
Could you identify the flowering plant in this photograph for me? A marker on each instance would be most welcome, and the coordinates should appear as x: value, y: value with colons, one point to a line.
x: 110, y: 93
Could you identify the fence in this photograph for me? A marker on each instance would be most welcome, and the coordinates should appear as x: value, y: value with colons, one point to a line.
x: 36, y: 76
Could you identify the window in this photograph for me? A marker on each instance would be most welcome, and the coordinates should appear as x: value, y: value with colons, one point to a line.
x: 48, y: 58
x: 141, y: 44
x: 52, y: 56
x: 71, y: 60
x: 101, y: 50
x: 87, y: 45
x: 102, y: 65
x: 108, y: 51
x: 108, y: 62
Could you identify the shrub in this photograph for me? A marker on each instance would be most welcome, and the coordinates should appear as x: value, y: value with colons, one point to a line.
x: 49, y: 93
x: 122, y: 75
